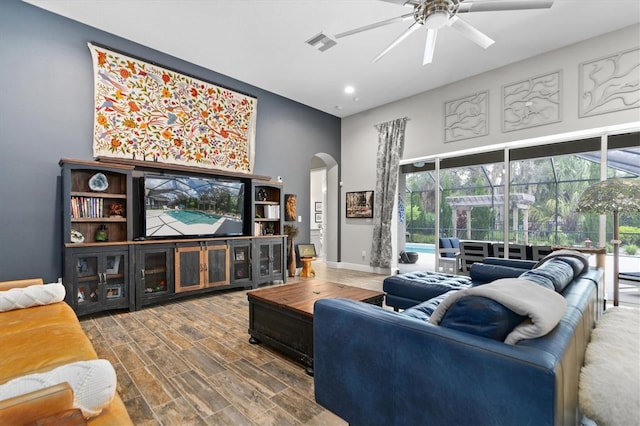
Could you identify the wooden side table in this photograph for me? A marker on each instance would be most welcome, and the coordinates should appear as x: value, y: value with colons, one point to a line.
x: 307, y: 269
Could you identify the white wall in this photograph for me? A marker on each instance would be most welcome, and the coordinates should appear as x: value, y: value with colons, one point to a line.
x: 425, y: 136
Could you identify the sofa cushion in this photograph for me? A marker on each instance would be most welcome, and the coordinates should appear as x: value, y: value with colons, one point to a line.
x: 481, y: 273
x: 423, y: 285
x: 576, y: 264
x: 425, y: 309
x: 53, y: 329
x: 513, y: 263
x: 93, y: 383
x: 35, y: 295
x: 482, y: 317
x: 565, y: 253
x: 555, y: 274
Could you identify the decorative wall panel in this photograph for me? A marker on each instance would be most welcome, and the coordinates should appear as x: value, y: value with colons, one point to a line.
x: 146, y: 112
x: 532, y: 102
x: 467, y: 117
x: 610, y: 84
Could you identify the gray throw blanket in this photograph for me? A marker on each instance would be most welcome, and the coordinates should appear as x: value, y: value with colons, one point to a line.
x: 543, y: 306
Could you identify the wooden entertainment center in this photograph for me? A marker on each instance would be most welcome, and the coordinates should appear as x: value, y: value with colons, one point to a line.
x: 109, y: 264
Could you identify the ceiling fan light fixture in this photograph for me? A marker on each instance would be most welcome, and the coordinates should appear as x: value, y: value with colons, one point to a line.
x: 437, y: 20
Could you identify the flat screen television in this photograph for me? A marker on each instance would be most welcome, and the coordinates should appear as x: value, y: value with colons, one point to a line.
x: 188, y: 206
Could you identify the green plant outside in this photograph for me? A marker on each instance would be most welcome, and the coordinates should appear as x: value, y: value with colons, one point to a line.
x: 552, y: 219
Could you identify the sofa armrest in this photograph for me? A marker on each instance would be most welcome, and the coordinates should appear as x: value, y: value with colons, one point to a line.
x: 37, y: 405
x: 8, y: 285
x: 374, y: 366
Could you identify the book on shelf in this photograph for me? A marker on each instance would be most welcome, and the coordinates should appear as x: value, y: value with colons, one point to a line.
x: 86, y: 207
x: 272, y: 212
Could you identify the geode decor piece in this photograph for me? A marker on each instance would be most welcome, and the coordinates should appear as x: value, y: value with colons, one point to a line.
x: 98, y: 182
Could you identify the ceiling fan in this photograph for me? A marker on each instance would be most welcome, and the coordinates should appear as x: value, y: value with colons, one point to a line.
x: 437, y: 14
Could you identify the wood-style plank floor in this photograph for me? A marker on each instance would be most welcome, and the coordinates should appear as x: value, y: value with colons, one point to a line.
x: 190, y: 362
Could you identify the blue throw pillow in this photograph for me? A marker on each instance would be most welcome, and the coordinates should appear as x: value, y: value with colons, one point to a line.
x: 554, y: 274
x: 482, y: 317
x: 576, y: 264
x: 481, y: 273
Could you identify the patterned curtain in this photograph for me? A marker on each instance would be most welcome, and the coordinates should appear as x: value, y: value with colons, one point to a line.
x: 390, y: 147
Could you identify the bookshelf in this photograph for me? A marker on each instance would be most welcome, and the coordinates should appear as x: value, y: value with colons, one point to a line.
x: 268, y: 200
x: 95, y: 212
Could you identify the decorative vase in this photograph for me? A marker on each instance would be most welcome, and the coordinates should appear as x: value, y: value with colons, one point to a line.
x: 292, y: 259
x: 102, y: 233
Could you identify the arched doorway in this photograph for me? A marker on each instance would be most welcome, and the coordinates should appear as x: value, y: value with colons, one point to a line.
x: 324, y: 229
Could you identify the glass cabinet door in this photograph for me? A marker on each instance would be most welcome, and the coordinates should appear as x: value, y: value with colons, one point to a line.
x: 216, y: 265
x: 154, y: 271
x: 276, y: 256
x: 100, y: 280
x: 264, y: 260
x: 189, y: 269
x: 113, y: 278
x: 88, y: 280
x: 241, y: 262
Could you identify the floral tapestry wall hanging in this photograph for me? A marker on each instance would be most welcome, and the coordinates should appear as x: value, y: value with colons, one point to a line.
x: 149, y: 113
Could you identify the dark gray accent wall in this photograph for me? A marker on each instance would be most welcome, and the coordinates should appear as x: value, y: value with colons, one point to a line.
x: 46, y: 113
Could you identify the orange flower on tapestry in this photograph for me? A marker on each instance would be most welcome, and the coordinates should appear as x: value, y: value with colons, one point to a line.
x: 165, y: 116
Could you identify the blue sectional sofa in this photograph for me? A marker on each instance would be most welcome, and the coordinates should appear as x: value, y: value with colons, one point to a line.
x: 403, y: 291
x: 373, y: 366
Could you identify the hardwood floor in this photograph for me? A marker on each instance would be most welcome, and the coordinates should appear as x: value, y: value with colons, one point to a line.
x: 191, y: 363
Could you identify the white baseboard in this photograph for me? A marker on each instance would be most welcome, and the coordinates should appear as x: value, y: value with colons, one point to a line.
x: 361, y: 268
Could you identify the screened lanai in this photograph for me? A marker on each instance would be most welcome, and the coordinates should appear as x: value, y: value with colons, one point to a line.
x: 545, y: 181
x: 464, y: 198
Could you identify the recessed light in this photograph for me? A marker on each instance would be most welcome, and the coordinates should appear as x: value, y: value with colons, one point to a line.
x: 349, y: 90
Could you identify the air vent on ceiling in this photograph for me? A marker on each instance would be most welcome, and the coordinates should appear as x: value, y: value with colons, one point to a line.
x: 321, y: 42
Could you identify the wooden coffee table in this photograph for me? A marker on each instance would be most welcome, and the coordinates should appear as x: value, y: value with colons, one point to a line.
x: 282, y: 316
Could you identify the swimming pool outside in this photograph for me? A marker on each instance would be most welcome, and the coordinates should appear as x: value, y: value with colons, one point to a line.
x: 190, y: 217
x: 420, y: 248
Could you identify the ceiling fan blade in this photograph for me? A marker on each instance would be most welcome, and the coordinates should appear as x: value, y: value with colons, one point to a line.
x: 375, y: 25
x: 398, y: 40
x: 496, y: 5
x: 470, y: 32
x: 430, y: 46
x: 403, y: 2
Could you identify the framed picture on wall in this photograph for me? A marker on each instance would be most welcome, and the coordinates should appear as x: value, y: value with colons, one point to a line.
x: 290, y: 210
x: 318, y: 217
x: 360, y: 204
x: 318, y: 207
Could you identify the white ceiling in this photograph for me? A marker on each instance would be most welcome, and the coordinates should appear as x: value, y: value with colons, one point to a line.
x: 262, y: 42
